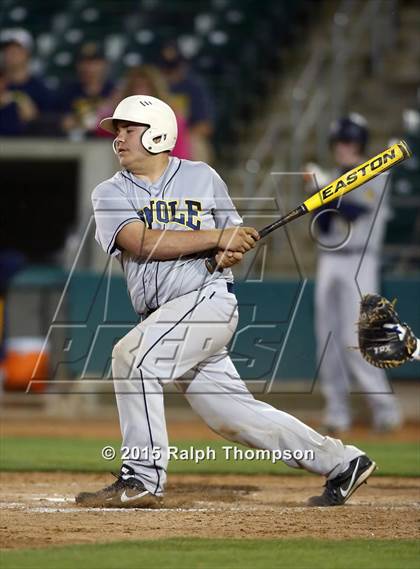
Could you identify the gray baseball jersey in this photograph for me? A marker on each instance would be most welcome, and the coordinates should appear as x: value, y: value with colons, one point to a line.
x: 187, y: 197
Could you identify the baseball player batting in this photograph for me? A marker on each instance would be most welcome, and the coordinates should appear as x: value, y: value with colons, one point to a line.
x: 161, y: 217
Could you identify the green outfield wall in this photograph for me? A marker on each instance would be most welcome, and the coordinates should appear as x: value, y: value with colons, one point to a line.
x: 274, y: 340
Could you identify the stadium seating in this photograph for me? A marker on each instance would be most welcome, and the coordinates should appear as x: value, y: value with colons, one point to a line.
x: 234, y: 44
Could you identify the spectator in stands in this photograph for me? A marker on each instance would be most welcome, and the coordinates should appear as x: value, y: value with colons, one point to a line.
x: 23, y: 96
x: 192, y: 99
x: 80, y: 101
x: 17, y: 109
x: 148, y: 80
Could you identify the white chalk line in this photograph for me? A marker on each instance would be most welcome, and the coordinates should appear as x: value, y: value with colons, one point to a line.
x: 49, y: 509
x: 21, y: 507
x: 71, y: 508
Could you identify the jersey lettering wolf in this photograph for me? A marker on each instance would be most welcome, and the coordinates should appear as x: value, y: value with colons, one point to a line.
x: 189, y: 196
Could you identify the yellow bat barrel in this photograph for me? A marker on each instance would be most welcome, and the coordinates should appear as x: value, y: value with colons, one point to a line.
x: 359, y: 175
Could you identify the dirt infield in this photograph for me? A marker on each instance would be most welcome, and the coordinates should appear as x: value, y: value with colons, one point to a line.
x: 38, y: 510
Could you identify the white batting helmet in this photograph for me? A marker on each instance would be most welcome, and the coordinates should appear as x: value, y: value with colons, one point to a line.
x: 152, y: 112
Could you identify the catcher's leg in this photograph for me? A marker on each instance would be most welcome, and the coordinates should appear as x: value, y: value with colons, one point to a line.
x: 222, y: 399
x: 333, y: 374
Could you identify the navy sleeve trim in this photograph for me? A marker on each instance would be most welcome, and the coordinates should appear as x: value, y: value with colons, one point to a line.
x: 111, y: 247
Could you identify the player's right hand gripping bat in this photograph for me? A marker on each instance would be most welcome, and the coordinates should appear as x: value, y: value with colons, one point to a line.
x: 339, y: 187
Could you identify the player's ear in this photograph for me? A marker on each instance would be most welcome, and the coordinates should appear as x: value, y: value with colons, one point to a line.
x: 114, y: 145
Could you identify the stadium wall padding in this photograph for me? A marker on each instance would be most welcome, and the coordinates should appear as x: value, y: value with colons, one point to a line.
x: 274, y: 339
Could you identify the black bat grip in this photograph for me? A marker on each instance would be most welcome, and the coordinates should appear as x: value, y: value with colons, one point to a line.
x: 294, y: 214
x: 211, y: 264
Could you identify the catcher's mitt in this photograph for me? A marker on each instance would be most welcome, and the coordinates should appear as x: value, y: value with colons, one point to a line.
x: 384, y: 340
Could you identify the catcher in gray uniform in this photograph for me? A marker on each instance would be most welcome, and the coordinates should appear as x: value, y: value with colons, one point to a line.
x: 161, y: 217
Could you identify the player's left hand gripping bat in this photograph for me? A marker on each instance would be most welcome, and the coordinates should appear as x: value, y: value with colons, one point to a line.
x: 339, y: 187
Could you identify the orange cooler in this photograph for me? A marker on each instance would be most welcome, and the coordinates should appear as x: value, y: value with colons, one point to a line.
x: 26, y: 359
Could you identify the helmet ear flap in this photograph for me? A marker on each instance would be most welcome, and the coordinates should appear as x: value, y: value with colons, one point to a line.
x: 155, y: 140
x: 146, y: 143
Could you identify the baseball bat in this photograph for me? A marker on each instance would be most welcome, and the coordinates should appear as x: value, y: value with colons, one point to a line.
x: 346, y: 183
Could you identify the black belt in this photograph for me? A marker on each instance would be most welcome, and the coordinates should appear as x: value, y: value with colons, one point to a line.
x: 230, y: 288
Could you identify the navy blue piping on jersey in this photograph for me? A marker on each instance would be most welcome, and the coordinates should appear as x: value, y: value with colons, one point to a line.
x: 135, y: 183
x: 111, y: 247
x: 142, y: 382
x: 146, y: 263
x: 156, y: 284
x: 144, y: 288
x: 170, y: 179
x: 158, y: 262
